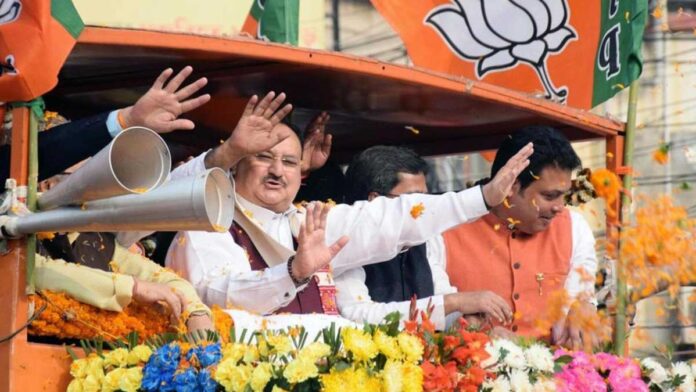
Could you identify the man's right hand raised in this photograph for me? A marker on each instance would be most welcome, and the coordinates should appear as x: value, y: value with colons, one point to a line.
x: 255, y: 132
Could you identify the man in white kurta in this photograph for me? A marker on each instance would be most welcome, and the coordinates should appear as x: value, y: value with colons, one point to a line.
x: 267, y: 178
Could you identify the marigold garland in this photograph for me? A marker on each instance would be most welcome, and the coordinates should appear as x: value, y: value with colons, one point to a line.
x: 68, y: 318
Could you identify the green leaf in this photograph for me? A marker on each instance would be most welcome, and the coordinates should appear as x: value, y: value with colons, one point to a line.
x: 341, y: 365
x: 560, y: 362
x: 71, y: 353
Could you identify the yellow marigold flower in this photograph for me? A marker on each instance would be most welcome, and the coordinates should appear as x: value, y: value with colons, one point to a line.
x: 95, y: 370
x: 251, y: 355
x: 75, y: 386
x: 116, y: 358
x: 132, y: 377
x: 392, y: 378
x: 412, y: 377
x: 411, y: 347
x: 261, y: 376
x: 337, y: 381
x: 234, y: 352
x: 232, y: 377
x: 299, y: 370
x: 359, y: 343
x: 78, y: 369
x: 279, y: 344
x: 112, y: 380
x: 139, y: 353
x: 315, y: 351
x: 387, y: 345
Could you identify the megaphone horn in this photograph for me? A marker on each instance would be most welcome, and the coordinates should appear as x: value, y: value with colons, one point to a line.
x: 201, y: 202
x: 137, y: 160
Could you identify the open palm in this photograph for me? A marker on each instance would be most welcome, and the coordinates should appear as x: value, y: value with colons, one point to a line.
x: 164, y: 102
x: 256, y: 130
x: 317, y: 145
x: 312, y: 252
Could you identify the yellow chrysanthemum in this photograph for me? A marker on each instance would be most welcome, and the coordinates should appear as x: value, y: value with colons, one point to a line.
x: 392, y: 378
x: 132, y: 377
x: 95, y: 370
x: 411, y: 347
x: 78, y: 369
x: 387, y: 345
x: 412, y: 377
x: 75, y: 386
x: 139, y: 353
x: 278, y: 389
x: 232, y: 377
x: 300, y: 370
x: 279, y: 344
x: 359, y: 343
x: 234, y: 352
x: 112, y: 380
x: 116, y: 358
x: 315, y: 351
x: 261, y: 376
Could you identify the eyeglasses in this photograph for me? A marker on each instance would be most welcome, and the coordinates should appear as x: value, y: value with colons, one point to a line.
x: 268, y: 159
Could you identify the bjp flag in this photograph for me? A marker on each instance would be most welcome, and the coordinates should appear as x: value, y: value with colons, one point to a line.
x: 580, y: 52
x: 36, y: 37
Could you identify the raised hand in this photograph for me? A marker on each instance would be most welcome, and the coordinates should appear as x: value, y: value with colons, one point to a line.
x: 255, y: 132
x: 164, y: 102
x: 312, y: 251
x: 153, y: 293
x: 500, y: 186
x: 317, y: 145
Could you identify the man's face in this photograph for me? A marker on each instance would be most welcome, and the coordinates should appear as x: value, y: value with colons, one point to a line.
x: 271, y: 179
x: 408, y: 183
x: 541, y: 201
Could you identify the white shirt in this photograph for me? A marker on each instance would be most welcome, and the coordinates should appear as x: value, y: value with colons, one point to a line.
x: 378, y: 230
x: 354, y: 302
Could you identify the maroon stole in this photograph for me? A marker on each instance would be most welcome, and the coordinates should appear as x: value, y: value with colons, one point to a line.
x: 312, y: 299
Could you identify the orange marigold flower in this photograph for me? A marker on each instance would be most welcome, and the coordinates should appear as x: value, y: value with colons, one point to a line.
x: 417, y: 210
x: 661, y: 154
x: 607, y: 186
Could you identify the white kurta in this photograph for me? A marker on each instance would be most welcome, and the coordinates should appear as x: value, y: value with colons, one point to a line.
x: 378, y: 230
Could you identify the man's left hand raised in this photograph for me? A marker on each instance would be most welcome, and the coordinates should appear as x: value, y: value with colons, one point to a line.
x: 312, y: 252
x: 317, y: 144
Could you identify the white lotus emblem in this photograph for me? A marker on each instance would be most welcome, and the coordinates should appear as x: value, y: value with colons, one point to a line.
x: 498, y: 34
x: 9, y: 10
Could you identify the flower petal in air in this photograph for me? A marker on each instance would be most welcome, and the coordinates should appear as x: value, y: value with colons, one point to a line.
x: 558, y: 11
x: 452, y: 26
x: 533, y: 52
x: 508, y: 20
x: 540, y: 15
x: 498, y: 60
x: 481, y: 30
x: 557, y: 40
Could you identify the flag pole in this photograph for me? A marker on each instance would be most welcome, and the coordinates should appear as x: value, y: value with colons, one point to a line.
x: 621, y: 289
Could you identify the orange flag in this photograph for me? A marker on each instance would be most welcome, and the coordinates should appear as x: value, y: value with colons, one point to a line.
x: 575, y: 51
x: 36, y: 37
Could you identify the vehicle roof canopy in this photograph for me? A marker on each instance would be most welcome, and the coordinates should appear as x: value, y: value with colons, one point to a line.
x: 370, y: 102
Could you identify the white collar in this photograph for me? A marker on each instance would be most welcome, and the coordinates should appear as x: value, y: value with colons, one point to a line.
x: 260, y: 214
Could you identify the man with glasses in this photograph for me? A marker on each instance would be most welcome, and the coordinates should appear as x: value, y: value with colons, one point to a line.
x: 280, y: 258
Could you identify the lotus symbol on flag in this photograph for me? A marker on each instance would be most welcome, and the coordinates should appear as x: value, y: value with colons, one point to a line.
x: 499, y: 34
x: 9, y: 10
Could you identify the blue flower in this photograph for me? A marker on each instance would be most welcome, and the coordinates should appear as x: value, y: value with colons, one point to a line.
x: 205, y: 383
x: 158, y: 373
x: 207, y: 355
x: 186, y: 381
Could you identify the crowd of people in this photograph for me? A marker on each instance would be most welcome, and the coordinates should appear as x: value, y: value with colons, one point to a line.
x: 493, y: 253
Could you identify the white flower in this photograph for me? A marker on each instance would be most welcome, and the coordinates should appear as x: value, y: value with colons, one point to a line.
x: 683, y: 369
x: 484, y: 32
x: 545, y: 385
x: 514, y: 357
x: 519, y: 381
x: 539, y: 358
x: 491, y: 363
x: 657, y: 373
x: 500, y: 384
